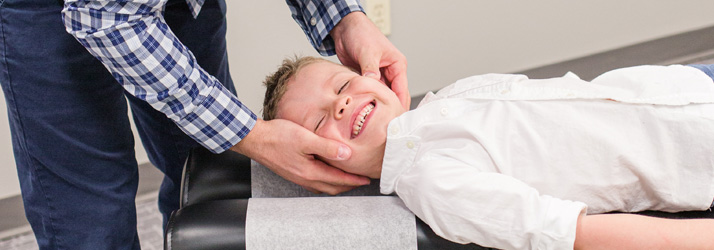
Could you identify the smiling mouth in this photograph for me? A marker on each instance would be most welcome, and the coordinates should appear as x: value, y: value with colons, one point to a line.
x: 359, y: 122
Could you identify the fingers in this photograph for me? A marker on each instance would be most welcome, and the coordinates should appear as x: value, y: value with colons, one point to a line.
x: 294, y: 159
x: 315, y: 191
x: 324, y: 188
x: 404, y: 97
x: 400, y: 87
x: 328, y: 179
x: 326, y: 148
x: 324, y: 178
x: 359, y: 44
x: 334, y: 176
x: 394, y: 76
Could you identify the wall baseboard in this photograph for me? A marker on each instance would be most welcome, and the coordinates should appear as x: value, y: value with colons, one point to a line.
x: 683, y: 48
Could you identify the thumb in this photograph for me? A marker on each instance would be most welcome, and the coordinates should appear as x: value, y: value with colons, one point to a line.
x: 370, y: 66
x: 329, y: 149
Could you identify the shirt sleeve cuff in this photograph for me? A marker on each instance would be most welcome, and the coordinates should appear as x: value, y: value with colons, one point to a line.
x: 318, y: 18
x: 561, y: 221
x: 220, y: 121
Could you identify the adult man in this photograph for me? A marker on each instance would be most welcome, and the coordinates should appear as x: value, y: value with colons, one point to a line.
x: 71, y: 136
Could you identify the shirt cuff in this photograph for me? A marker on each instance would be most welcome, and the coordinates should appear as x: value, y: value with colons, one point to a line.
x: 560, y: 223
x: 220, y: 121
x: 318, y: 18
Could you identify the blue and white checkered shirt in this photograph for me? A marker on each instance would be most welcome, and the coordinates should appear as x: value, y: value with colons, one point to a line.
x: 136, y: 45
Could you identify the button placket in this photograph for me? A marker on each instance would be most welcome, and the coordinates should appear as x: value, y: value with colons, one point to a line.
x: 394, y: 130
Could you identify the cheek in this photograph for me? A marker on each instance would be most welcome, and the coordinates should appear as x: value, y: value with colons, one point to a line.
x: 330, y: 131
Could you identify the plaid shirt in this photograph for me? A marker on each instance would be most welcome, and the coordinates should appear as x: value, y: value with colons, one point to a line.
x: 136, y: 45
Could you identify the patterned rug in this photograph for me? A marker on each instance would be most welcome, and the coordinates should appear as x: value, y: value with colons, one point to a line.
x: 148, y: 226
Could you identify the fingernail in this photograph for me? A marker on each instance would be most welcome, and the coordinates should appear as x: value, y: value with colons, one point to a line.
x: 343, y: 152
x: 371, y: 75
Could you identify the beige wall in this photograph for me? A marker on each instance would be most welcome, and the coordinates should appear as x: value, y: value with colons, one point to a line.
x: 445, y: 42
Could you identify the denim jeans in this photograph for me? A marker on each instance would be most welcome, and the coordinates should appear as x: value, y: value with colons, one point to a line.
x: 71, y: 135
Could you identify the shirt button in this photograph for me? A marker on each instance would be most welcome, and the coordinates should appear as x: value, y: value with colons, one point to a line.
x: 394, y: 130
x: 313, y: 21
x: 410, y: 144
x: 505, y: 92
x: 444, y: 111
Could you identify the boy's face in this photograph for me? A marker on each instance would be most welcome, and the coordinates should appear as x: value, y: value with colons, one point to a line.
x: 339, y: 104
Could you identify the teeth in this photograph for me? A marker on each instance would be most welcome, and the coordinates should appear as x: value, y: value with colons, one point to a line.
x: 360, y: 119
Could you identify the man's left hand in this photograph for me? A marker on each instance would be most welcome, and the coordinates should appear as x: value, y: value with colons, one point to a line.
x: 359, y: 44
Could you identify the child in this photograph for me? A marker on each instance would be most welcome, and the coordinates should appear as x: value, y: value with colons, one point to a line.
x: 508, y: 162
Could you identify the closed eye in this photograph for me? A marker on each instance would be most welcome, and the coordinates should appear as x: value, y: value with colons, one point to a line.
x: 343, y: 87
x: 323, y: 118
x: 318, y: 124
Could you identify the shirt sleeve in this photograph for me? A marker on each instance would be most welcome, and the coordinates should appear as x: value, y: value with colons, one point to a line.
x: 318, y: 17
x: 464, y: 205
x: 133, y: 41
x: 661, y: 85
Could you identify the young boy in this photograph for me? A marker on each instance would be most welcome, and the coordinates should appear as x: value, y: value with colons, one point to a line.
x: 508, y: 162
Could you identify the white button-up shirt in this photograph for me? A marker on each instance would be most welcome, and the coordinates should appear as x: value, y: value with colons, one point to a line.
x: 509, y: 162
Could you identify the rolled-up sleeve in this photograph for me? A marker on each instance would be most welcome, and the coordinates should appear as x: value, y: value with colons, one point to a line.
x: 318, y: 17
x: 464, y: 205
x: 136, y: 45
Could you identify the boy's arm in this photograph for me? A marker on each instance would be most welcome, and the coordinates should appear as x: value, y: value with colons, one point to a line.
x: 631, y: 231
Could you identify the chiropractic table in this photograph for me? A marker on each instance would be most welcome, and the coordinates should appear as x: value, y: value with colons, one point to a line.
x: 229, y: 201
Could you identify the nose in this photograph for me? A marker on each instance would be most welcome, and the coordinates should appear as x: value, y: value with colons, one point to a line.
x: 341, y: 105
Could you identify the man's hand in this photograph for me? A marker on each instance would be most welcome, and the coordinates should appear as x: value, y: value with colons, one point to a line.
x: 289, y: 150
x: 359, y: 44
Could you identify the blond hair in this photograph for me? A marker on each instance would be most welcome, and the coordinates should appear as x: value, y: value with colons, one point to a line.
x: 276, y: 83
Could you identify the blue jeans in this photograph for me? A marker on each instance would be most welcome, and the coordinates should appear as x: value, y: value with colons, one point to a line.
x: 71, y: 137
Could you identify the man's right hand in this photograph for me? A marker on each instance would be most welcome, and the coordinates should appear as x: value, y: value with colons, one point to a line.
x: 289, y: 150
